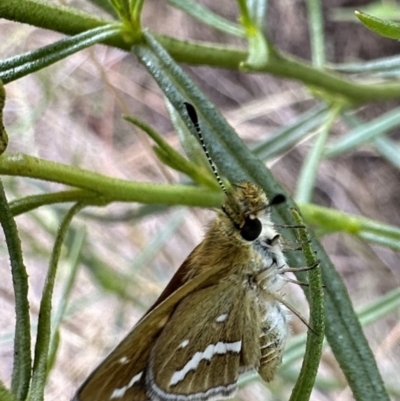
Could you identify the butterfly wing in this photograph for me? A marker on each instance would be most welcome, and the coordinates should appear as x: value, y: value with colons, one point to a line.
x: 121, y: 375
x: 202, y: 358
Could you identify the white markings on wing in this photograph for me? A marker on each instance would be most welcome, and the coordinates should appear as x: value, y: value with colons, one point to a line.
x: 221, y: 318
x: 183, y: 344
x: 212, y: 394
x: 123, y: 360
x: 219, y: 348
x: 120, y: 392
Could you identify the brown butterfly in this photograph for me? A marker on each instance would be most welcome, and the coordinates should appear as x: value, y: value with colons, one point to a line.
x: 221, y: 315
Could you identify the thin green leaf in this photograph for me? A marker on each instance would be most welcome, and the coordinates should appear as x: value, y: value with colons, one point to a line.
x: 107, y: 188
x: 381, y: 307
x: 238, y: 163
x: 55, y: 343
x: 309, y: 169
x: 24, y: 64
x: 389, y: 149
x: 385, y: 28
x: 68, y: 21
x: 40, y: 365
x: 316, y: 27
x: 106, y: 6
x: 394, y: 74
x: 5, y: 394
x: 153, y: 247
x: 245, y: 17
x: 333, y: 220
x: 287, y: 137
x: 258, y: 53
x: 139, y: 213
x: 365, y: 133
x: 203, y: 14
x: 313, y: 353
x: 173, y: 158
x: 368, y: 314
x: 166, y: 159
x: 380, y: 9
x: 377, y: 65
x: 257, y: 12
x: 111, y: 281
x: 122, y: 7
x: 32, y: 202
x: 136, y: 11
x: 71, y: 269
x: 108, y: 279
x: 21, y: 375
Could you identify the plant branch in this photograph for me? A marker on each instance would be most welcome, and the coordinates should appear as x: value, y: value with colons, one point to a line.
x: 40, y: 366
x: 71, y: 21
x: 107, y: 189
x: 28, y: 203
x: 22, y: 343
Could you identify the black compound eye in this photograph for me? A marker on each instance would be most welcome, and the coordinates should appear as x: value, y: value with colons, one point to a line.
x: 251, y: 230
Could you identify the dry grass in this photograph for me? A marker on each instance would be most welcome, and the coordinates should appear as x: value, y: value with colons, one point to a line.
x: 70, y: 113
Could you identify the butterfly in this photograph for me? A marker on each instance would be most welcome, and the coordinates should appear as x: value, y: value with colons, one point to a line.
x: 222, y: 314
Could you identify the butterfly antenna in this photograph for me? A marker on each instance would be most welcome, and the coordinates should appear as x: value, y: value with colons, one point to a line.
x: 193, y: 117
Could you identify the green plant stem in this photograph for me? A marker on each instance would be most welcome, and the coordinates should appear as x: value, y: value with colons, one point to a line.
x: 329, y: 219
x: 244, y: 15
x: 106, y: 6
x: 367, y: 314
x: 39, y: 371
x: 22, y: 342
x: 70, y: 273
x: 309, y: 369
x: 309, y: 170
x: 27, y: 63
x: 332, y: 220
x: 316, y: 28
x: 5, y: 394
x: 70, y: 21
x: 137, y: 6
x: 385, y: 28
x: 177, y: 161
x: 205, y: 16
x: 106, y: 188
x: 29, y: 203
x: 258, y: 11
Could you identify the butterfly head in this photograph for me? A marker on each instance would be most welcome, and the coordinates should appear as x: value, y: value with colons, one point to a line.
x: 246, y: 208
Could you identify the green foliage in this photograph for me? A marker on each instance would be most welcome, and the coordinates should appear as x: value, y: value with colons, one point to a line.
x: 315, y: 338
x: 335, y: 94
x: 385, y: 28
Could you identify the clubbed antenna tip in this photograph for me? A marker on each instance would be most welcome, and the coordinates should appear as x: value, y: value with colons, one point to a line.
x: 277, y: 199
x: 192, y: 113
x: 193, y: 117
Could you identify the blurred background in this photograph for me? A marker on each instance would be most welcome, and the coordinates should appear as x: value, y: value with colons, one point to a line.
x: 118, y: 262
